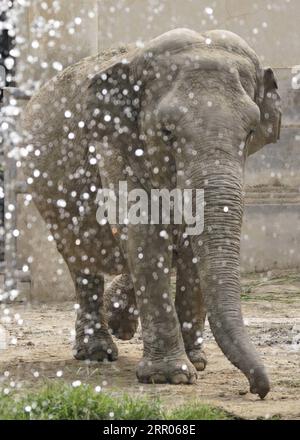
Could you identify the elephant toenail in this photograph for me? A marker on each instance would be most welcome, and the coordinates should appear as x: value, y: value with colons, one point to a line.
x: 158, y: 378
x: 193, y: 379
x: 179, y: 378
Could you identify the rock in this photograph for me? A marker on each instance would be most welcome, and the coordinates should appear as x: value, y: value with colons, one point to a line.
x: 3, y: 338
x: 243, y: 392
x: 30, y: 344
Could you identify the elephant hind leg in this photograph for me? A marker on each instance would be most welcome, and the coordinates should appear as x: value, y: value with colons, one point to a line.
x: 120, y: 305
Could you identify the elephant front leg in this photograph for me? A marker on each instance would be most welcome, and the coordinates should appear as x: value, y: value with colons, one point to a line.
x: 93, y: 340
x: 150, y: 260
x: 190, y: 307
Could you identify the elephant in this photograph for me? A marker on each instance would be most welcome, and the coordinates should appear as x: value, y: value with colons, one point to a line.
x: 121, y: 308
x: 184, y: 111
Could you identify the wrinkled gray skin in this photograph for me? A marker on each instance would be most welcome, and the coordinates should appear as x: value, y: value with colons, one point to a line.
x: 120, y: 307
x: 197, y: 104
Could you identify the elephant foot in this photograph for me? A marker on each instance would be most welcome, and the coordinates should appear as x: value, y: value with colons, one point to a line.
x: 95, y: 348
x: 123, y: 324
x: 198, y: 358
x: 175, y: 371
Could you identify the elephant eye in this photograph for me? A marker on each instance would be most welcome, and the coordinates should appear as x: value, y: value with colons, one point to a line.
x: 167, y: 135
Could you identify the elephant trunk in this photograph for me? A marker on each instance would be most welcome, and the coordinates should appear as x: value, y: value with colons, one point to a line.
x: 218, y: 252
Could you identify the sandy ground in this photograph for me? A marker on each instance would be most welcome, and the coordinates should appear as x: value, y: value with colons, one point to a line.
x: 40, y: 348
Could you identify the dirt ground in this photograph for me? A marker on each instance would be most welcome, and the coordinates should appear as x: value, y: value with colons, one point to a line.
x: 40, y: 348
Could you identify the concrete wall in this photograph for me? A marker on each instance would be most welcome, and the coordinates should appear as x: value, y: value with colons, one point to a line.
x: 36, y: 250
x: 63, y: 32
x: 51, y: 37
x: 271, y: 236
x: 271, y: 27
x: 50, y: 276
x: 279, y: 163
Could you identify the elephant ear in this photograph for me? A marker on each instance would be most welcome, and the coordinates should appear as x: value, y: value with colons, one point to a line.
x: 268, y: 83
x: 113, y: 101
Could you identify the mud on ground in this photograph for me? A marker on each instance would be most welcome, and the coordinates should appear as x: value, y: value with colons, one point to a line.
x: 40, y: 346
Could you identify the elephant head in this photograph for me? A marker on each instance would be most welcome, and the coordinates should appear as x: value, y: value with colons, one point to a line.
x: 204, y: 102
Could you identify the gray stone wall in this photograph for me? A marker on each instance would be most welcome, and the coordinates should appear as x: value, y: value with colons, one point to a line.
x: 53, y: 37
x: 271, y: 27
x: 279, y: 163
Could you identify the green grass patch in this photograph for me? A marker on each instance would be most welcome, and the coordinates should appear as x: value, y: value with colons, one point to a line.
x: 196, y: 411
x: 64, y: 402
